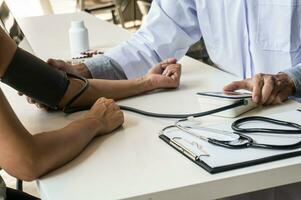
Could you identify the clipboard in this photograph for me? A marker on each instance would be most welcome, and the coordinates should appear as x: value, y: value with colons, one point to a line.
x: 222, y: 159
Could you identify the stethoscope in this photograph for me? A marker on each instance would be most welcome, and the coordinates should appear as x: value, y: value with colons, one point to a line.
x: 239, y: 139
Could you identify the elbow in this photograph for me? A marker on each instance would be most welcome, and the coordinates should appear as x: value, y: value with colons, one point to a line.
x: 26, y: 168
x: 28, y: 174
x: 31, y: 169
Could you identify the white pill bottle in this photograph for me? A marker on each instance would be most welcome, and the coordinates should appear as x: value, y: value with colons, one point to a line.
x: 79, y: 38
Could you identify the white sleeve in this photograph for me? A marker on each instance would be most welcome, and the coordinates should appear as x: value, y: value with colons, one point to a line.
x: 171, y: 27
x: 295, y: 74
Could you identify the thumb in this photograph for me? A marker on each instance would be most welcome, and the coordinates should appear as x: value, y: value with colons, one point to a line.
x: 236, y: 85
x: 168, y: 62
x: 59, y: 64
x: 171, y: 61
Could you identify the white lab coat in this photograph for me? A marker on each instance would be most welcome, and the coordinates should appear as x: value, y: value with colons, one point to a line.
x: 243, y: 37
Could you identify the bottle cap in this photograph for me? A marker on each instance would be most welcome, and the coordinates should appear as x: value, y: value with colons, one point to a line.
x: 77, y: 24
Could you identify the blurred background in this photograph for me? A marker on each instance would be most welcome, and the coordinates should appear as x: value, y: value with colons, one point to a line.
x: 129, y: 14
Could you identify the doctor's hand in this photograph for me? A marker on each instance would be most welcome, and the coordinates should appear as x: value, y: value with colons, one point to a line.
x: 266, y: 89
x: 78, y: 69
x: 166, y: 74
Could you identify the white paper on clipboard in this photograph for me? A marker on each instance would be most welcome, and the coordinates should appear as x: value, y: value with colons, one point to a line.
x: 220, y: 156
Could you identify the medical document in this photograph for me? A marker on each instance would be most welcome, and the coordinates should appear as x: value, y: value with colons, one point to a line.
x: 220, y: 157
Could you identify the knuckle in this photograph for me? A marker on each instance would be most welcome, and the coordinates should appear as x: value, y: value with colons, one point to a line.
x: 257, y: 78
x: 236, y: 82
x: 260, y: 75
x: 270, y: 79
x: 100, y: 100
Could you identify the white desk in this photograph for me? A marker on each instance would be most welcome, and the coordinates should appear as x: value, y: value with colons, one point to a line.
x: 133, y: 163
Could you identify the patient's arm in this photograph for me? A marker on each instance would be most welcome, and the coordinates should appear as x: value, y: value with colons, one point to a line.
x: 164, y: 75
x: 26, y: 156
x: 161, y: 76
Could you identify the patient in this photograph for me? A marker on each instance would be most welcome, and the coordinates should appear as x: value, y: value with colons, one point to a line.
x: 26, y: 156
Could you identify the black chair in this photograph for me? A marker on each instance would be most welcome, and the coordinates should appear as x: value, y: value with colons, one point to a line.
x: 114, y: 6
x: 144, y: 6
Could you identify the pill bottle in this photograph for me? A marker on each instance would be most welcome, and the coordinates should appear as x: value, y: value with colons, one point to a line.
x: 79, y: 38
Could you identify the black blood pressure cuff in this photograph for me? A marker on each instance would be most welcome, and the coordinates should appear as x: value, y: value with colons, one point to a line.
x: 36, y: 79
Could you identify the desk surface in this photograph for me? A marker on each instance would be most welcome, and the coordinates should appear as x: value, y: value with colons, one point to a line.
x: 133, y: 163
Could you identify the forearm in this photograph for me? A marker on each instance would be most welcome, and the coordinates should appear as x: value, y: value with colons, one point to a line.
x: 59, y: 147
x: 27, y: 157
x: 34, y: 156
x: 113, y: 89
x: 119, y: 89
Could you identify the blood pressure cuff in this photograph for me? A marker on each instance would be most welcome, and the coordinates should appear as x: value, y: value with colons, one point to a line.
x: 36, y: 79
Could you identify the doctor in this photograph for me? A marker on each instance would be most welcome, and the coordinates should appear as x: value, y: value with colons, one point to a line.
x: 242, y: 37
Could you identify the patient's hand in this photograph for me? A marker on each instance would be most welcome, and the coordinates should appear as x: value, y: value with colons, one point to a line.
x: 266, y: 89
x: 107, y: 114
x: 166, y: 74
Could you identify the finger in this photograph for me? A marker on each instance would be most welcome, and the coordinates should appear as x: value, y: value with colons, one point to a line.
x: 59, y: 64
x: 169, y: 61
x: 119, y: 113
x: 176, y: 81
x: 51, y: 61
x: 171, y: 69
x: 174, y: 67
x: 110, y: 105
x: 120, y: 117
x: 175, y: 76
x: 165, y: 72
x: 272, y: 97
x: 30, y: 100
x: 99, y: 106
x: 170, y: 83
x: 283, y: 96
x: 277, y: 100
x: 117, y: 107
x: 20, y: 94
x: 279, y: 88
x: 157, y: 69
x: 109, y: 102
x: 170, y: 73
x: 40, y: 106
x: 236, y: 85
x: 45, y: 109
x: 113, y: 107
x: 257, y: 87
x: 268, y: 86
x: 101, y: 100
